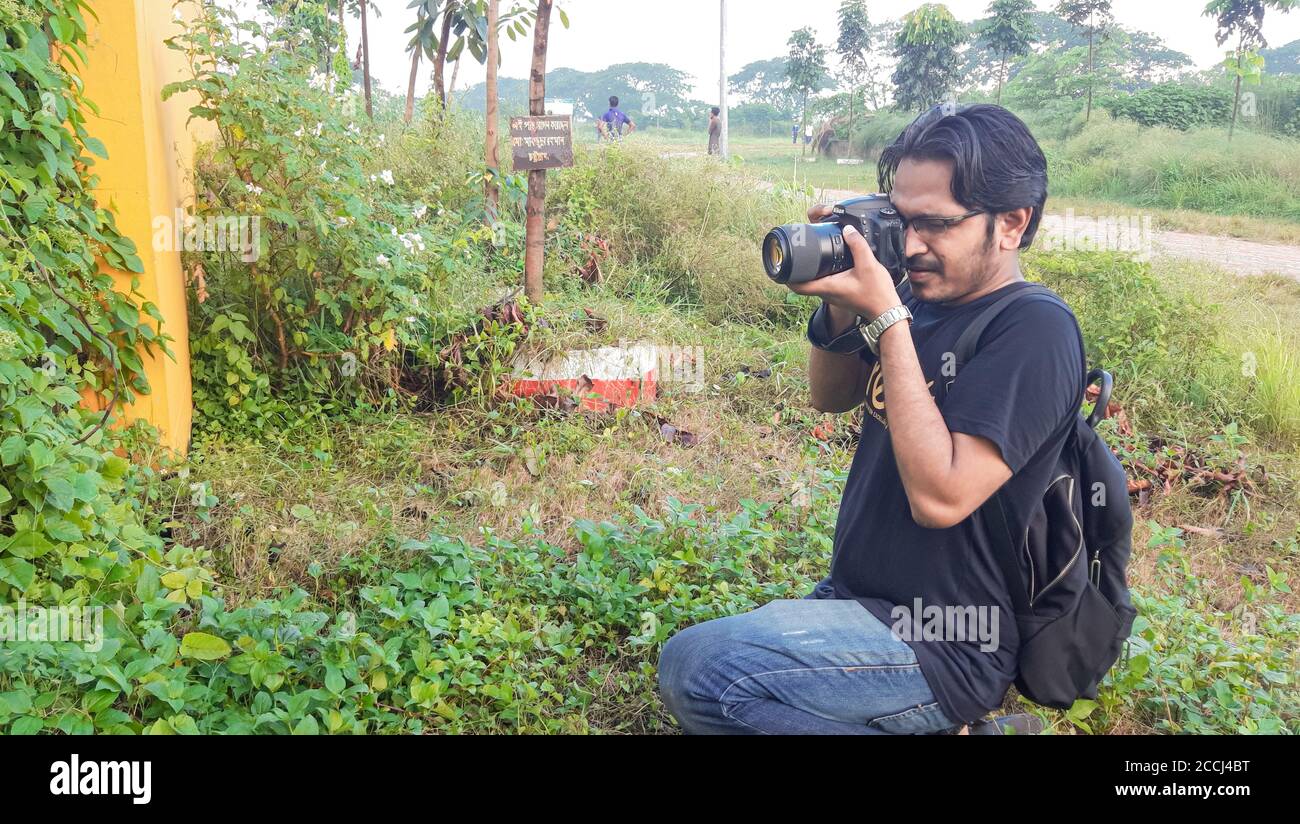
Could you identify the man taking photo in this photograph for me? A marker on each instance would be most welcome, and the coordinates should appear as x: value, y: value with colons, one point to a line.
x: 970, y: 185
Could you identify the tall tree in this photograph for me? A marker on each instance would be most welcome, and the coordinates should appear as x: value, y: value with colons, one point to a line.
x: 1245, y: 20
x: 806, y: 68
x: 535, y: 209
x: 1008, y: 33
x: 365, y: 59
x: 449, y: 14
x: 853, y: 46
x: 1094, y: 19
x: 926, y: 48
x: 423, y: 41
x: 491, y: 192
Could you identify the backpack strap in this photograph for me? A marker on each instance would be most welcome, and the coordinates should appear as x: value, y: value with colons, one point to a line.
x: 993, y: 510
x: 968, y: 343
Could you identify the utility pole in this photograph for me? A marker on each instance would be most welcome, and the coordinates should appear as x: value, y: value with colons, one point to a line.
x: 722, y: 76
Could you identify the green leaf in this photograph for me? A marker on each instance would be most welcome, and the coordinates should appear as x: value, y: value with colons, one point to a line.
x: 60, y: 494
x: 175, y: 580
x: 13, y: 450
x: 27, y: 725
x: 28, y: 544
x: 307, y: 726
x: 147, y: 586
x: 62, y: 530
x: 203, y: 646
x: 29, y: 409
x: 17, y: 572
x: 16, y: 701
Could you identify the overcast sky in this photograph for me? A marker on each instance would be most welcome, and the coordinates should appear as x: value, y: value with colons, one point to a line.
x: 684, y: 34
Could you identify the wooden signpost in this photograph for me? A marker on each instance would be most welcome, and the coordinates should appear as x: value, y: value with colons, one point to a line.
x: 544, y: 142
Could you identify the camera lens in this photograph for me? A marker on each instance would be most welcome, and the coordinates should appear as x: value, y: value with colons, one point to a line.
x: 800, y: 252
x: 776, y: 260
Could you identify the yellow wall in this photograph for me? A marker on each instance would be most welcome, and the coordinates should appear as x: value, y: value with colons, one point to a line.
x: 147, y: 174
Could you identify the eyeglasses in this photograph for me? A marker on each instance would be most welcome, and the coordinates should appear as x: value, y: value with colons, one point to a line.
x: 932, y: 227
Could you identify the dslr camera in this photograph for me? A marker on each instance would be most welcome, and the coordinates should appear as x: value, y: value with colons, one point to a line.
x: 800, y: 252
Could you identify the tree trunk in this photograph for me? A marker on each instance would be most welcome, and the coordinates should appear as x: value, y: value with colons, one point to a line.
x: 491, y: 194
x: 1002, y: 72
x: 440, y: 60
x: 365, y: 60
x: 1236, y: 98
x: 535, y: 225
x: 1088, y: 115
x: 852, y: 101
x: 451, y: 87
x: 1236, y: 86
x: 410, y: 85
x: 343, y: 4
x: 803, y: 127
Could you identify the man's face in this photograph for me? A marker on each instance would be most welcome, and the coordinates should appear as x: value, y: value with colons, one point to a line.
x: 953, y: 265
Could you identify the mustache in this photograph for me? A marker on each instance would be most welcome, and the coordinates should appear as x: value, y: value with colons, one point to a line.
x: 923, y: 264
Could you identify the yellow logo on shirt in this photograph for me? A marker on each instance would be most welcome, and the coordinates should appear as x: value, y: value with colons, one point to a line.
x: 875, y: 402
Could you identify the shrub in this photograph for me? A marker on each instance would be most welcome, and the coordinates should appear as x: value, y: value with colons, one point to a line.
x: 347, y: 254
x: 684, y: 232
x: 1174, y: 105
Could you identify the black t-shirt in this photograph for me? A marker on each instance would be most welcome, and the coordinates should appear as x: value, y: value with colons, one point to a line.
x: 1017, y: 391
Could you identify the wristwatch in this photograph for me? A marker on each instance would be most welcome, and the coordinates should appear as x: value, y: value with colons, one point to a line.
x: 861, y: 334
x: 877, y: 327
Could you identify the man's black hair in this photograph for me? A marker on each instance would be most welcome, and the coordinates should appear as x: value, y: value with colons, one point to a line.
x: 613, y: 102
x: 716, y: 110
x: 997, y: 165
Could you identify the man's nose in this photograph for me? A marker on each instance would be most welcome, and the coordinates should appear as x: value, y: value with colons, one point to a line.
x: 913, y: 246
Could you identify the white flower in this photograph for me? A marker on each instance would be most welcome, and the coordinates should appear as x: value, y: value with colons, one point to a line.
x: 300, y: 132
x: 420, y: 212
x: 412, y: 319
x: 176, y: 15
x: 253, y: 190
x: 387, y: 176
x: 382, y: 137
x: 320, y: 127
x: 382, y: 260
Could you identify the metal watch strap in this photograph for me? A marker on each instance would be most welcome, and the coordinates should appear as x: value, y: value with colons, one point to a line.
x: 874, y: 330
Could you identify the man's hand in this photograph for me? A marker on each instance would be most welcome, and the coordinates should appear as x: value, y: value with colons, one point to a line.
x: 867, y: 289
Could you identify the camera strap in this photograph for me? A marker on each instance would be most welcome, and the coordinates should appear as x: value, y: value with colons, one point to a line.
x: 850, y: 342
x: 854, y: 339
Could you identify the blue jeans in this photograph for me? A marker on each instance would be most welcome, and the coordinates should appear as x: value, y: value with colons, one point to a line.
x: 810, y: 666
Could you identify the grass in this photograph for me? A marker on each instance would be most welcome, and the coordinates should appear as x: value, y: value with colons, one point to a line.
x: 549, y: 554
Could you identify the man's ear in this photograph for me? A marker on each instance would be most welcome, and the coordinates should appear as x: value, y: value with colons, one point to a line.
x: 1012, y: 226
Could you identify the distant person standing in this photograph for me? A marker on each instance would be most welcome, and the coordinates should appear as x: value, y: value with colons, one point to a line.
x: 611, y: 122
x: 715, y: 131
x: 807, y: 134
x: 794, y: 134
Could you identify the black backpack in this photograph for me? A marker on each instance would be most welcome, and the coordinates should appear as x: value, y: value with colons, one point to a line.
x: 1074, y: 613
